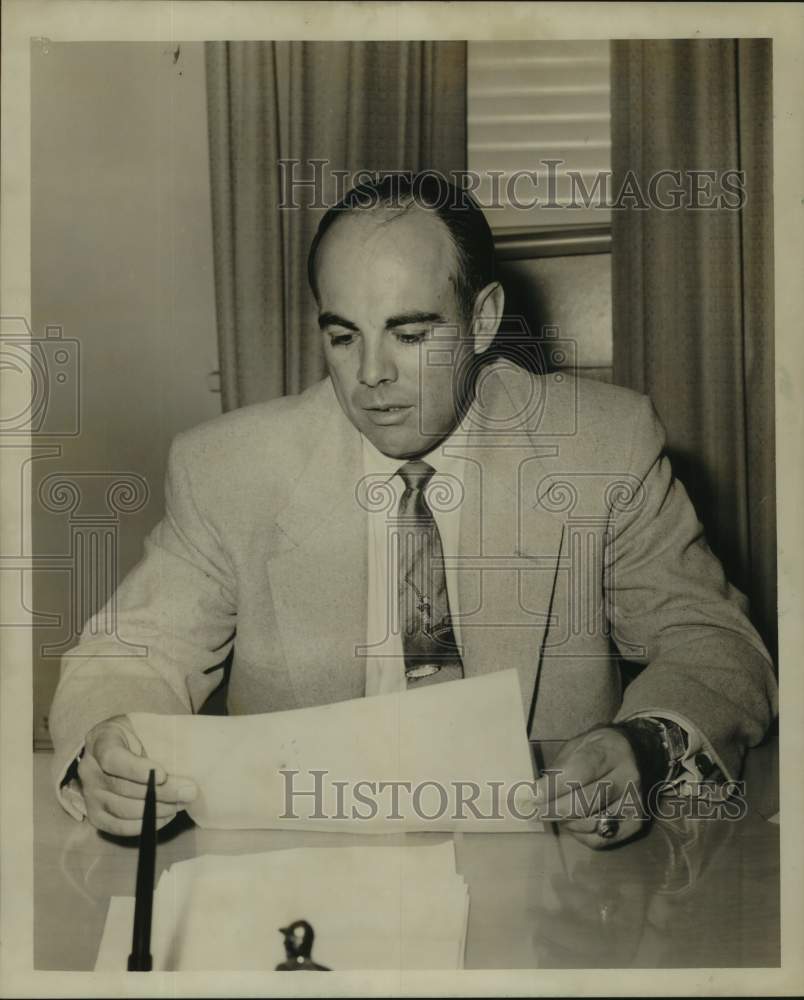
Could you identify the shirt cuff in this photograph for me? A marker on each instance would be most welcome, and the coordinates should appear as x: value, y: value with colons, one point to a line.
x: 69, y: 790
x: 700, y: 764
x: 72, y: 799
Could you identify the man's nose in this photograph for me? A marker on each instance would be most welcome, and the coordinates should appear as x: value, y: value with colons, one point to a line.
x: 376, y: 365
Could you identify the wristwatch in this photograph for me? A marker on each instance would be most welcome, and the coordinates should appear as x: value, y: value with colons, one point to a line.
x: 671, y: 736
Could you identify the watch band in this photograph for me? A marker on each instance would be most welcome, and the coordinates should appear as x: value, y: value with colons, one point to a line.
x: 673, y: 739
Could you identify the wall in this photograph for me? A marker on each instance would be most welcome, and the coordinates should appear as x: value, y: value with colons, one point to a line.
x: 572, y: 294
x: 122, y: 262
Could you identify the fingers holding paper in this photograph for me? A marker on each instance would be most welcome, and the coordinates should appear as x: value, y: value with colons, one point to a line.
x: 114, y: 774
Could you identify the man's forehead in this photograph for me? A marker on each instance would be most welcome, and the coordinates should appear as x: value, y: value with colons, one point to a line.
x: 410, y: 237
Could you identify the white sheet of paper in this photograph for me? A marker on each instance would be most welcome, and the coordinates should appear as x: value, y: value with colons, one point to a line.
x: 407, y: 909
x: 460, y: 748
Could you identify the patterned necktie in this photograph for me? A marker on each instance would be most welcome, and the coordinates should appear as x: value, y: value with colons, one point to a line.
x: 428, y: 642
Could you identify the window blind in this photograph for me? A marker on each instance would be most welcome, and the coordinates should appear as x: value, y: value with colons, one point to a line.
x: 530, y: 102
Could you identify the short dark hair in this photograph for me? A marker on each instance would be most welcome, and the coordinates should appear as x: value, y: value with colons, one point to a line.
x: 456, y: 208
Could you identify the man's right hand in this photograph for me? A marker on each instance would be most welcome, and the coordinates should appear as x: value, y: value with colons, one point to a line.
x: 114, y: 775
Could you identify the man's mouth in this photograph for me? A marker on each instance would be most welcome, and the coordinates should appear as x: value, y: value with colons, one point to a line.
x: 389, y: 414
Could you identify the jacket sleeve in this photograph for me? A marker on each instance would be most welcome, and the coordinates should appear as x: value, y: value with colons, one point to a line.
x: 672, y: 609
x: 172, y: 618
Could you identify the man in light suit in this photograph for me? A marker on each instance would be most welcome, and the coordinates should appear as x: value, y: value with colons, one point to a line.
x: 543, y: 526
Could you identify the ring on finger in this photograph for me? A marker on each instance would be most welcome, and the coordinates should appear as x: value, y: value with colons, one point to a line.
x: 607, y: 827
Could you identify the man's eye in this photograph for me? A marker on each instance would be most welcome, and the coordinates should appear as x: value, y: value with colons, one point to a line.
x: 341, y: 339
x: 412, y: 338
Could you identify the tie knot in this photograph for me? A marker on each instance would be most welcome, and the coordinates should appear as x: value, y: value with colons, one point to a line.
x: 416, y: 475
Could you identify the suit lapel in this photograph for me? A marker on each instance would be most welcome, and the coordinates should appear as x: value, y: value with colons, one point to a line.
x: 509, y: 552
x: 318, y: 572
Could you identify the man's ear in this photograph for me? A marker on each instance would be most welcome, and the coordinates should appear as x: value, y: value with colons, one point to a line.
x: 487, y: 316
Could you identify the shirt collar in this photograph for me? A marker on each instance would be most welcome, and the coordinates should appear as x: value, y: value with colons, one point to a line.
x: 377, y: 464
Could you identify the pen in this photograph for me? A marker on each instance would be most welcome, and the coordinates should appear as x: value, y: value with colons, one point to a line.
x: 537, y: 752
x: 140, y: 958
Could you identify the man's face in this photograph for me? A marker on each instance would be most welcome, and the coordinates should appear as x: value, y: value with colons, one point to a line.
x: 390, y: 320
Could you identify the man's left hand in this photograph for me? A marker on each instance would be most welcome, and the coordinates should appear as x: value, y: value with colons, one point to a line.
x: 596, y: 773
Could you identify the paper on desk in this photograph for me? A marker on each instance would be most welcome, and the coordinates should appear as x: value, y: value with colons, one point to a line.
x: 446, y: 757
x: 370, y: 907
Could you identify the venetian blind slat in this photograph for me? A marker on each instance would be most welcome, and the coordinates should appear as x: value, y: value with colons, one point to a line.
x: 534, y: 101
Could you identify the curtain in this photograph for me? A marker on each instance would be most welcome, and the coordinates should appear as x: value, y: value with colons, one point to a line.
x: 358, y: 106
x: 692, y: 289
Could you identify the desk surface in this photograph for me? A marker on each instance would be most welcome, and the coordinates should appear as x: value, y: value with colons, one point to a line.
x: 692, y: 893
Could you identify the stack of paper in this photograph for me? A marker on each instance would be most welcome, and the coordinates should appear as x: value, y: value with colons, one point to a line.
x: 370, y: 907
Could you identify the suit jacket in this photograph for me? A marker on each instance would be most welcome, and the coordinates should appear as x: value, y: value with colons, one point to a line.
x: 575, y: 539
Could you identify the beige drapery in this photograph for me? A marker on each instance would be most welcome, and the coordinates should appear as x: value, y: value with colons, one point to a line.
x: 693, y: 289
x: 374, y: 106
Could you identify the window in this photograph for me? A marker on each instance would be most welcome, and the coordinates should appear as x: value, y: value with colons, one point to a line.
x: 531, y: 104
